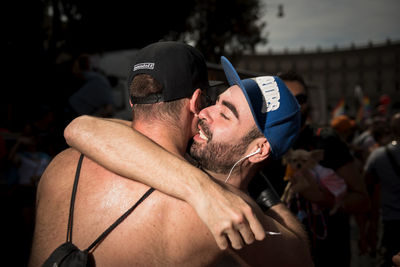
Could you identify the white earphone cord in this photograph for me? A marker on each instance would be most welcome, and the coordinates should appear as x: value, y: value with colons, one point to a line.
x: 245, y: 157
x: 271, y: 233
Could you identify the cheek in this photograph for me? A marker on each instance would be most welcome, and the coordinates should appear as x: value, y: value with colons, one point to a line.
x: 227, y: 136
x: 221, y: 133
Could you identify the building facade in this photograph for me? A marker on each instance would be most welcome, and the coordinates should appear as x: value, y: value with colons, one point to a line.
x: 333, y: 74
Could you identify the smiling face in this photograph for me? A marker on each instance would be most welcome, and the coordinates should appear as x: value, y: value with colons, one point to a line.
x: 226, y: 131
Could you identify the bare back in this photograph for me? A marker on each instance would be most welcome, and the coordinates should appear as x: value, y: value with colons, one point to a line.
x: 161, y: 231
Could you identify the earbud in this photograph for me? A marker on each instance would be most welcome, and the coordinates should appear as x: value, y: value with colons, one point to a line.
x: 251, y: 154
x: 255, y: 152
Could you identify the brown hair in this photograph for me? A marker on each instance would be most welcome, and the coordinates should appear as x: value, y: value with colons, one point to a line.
x: 143, y: 85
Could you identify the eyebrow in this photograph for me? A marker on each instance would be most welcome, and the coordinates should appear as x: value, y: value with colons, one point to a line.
x: 231, y: 107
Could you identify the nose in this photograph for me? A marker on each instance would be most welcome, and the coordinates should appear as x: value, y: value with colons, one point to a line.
x: 206, y: 114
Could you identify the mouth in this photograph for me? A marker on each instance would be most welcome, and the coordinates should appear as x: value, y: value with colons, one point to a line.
x: 202, y: 135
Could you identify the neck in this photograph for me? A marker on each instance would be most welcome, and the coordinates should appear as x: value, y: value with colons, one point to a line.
x: 240, y: 176
x: 172, y: 138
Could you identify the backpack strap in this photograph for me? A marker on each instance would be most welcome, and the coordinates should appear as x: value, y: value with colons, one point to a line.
x: 119, y: 220
x: 109, y: 229
x: 72, y: 203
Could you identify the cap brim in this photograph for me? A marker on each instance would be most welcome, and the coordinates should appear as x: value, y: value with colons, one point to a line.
x: 216, y: 88
x: 231, y: 75
x: 233, y: 79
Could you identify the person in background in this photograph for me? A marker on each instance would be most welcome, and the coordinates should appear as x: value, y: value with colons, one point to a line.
x: 94, y: 97
x: 371, y: 138
x: 382, y: 169
x: 313, y: 203
x: 34, y: 148
x: 345, y: 127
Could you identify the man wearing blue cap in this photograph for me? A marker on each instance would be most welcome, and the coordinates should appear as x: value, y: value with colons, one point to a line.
x: 232, y: 122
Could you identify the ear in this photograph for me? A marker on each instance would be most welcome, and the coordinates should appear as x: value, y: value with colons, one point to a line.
x: 130, y: 102
x: 317, y: 155
x: 195, y: 102
x: 265, y: 150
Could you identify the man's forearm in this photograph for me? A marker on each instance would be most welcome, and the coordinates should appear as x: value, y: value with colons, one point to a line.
x: 106, y: 142
x: 119, y: 148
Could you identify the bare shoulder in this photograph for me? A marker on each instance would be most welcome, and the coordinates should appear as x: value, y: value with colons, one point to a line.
x: 281, y: 239
x: 53, y: 194
x: 62, y: 166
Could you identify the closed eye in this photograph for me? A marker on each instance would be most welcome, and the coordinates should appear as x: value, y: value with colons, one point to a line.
x: 232, y: 109
x: 224, y: 116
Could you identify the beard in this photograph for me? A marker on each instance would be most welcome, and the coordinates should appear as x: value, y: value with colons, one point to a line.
x: 218, y: 157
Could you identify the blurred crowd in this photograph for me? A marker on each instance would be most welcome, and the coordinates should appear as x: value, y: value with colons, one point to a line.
x: 341, y: 180
x: 31, y: 135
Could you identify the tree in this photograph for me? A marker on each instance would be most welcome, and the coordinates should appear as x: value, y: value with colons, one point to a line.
x: 37, y: 32
x: 225, y: 27
x: 114, y: 25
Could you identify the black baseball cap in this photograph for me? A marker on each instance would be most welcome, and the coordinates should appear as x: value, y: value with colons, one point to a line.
x: 177, y: 66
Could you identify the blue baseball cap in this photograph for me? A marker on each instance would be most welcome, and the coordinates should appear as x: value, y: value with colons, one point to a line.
x: 275, y: 110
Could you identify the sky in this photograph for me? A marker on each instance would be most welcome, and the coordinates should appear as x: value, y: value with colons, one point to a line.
x: 311, y: 23
x: 325, y: 23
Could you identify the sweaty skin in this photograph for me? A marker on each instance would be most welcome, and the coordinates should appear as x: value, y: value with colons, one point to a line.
x: 223, y: 212
x: 110, y: 154
x: 162, y: 231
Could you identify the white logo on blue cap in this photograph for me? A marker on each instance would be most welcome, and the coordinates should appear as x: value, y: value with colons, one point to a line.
x: 270, y: 90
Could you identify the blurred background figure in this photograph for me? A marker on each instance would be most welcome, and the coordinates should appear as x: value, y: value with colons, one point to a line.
x: 375, y: 135
x: 382, y: 171
x: 28, y: 152
x: 313, y: 203
x: 33, y: 148
x: 95, y: 96
x: 345, y: 127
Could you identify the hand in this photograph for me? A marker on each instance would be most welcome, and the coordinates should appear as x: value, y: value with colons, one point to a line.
x: 229, y: 216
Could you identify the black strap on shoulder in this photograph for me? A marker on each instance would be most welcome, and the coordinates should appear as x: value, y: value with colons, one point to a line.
x: 392, y: 160
x: 109, y: 229
x: 72, y: 204
x: 120, y: 219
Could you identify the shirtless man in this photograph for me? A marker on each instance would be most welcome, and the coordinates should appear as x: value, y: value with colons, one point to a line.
x: 162, y: 230
x: 90, y: 135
